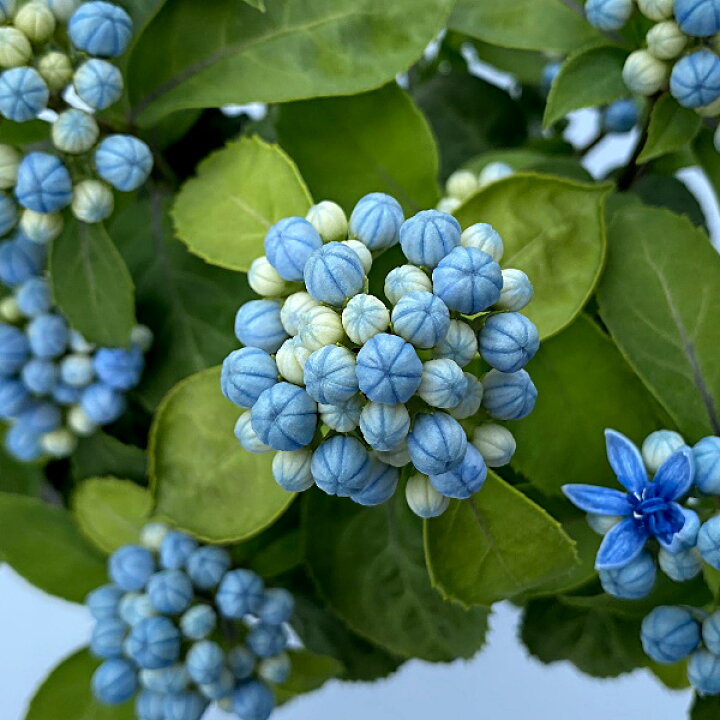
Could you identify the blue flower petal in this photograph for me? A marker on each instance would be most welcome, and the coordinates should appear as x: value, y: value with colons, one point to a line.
x: 598, y: 500
x: 621, y: 545
x: 678, y: 519
x: 675, y: 476
x: 626, y: 461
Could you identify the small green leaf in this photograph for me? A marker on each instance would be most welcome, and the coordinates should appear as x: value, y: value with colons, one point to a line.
x: 310, y: 671
x: 25, y: 133
x: 111, y: 512
x: 368, y: 565
x: 705, y: 153
x: 672, y: 676
x: 666, y: 191
x: 375, y: 142
x: 43, y: 544
x: 705, y: 708
x: 101, y: 455
x: 515, y: 545
x: 659, y: 296
x: 91, y: 284
x: 201, y: 477
x: 66, y: 693
x: 257, y: 4
x: 671, y: 128
x: 554, y: 230
x: 18, y: 477
x: 224, y: 212
x: 589, y: 77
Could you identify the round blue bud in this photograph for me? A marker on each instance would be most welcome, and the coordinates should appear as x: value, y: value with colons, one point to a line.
x: 14, y: 349
x: 150, y: 706
x: 708, y: 541
x: 258, y: 324
x: 48, y: 335
x: 468, y: 280
x: 221, y: 688
x: 198, y: 622
x: 23, y: 94
x: 123, y: 161
x: 464, y: 480
x: 608, y: 14
x: 285, y: 417
x: 340, y: 465
x: 118, y: 368
x: 114, y: 682
x: 207, y: 565
x: 153, y: 643
x: 205, y: 661
x: 39, y: 376
x: 98, y: 83
x: 107, y: 638
x: 33, y: 297
x: 711, y: 632
x: 14, y: 397
x: 632, y: 582
x: 704, y: 672
x: 700, y: 18
x: 275, y: 669
x: 102, y: 404
x: 35, y: 252
x: 695, y: 79
x: 291, y: 470
x: 101, y: 29
x: 437, y: 443
x: 167, y: 680
x: 334, y: 273
x: 130, y: 567
x: 707, y: 464
x: 443, y: 384
x: 381, y: 485
x: 77, y: 370
x: 277, y: 606
x: 621, y: 116
x: 509, y: 396
x: 384, y: 427
x: 185, y: 706
x: 680, y: 566
x: 388, y: 369
x: 266, y: 640
x: 42, y: 417
x: 288, y: 245
x: 330, y: 375
x: 43, y: 183
x: 103, y: 602
x: 658, y: 446
x: 16, y: 266
x: 376, y: 221
x: 686, y: 537
x: 8, y: 214
x: 459, y: 345
x: 175, y: 549
x: 170, y: 592
x: 135, y: 607
x: 23, y: 442
x: 421, y: 318
x: 426, y: 238
x: 343, y: 416
x: 241, y: 662
x: 240, y: 592
x: 669, y: 634
x: 508, y: 341
x: 253, y: 700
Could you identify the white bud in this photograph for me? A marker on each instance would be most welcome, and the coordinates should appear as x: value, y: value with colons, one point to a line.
x: 9, y: 160
x: 448, y: 205
x: 362, y: 252
x: 56, y: 70
x: 7, y: 9
x: 92, y: 201
x: 79, y: 344
x: 59, y: 443
x: 15, y: 48
x: 495, y: 443
x: 364, y: 317
x: 656, y: 9
x: 41, y: 228
x: 397, y: 457
x: 644, y: 74
x: 36, y: 20
x: 484, y: 237
x: 403, y: 280
x: 462, y: 184
x: 666, y: 40
x: 291, y: 359
x: 142, y: 336
x: 658, y: 446
x: 248, y: 438
x: 265, y: 280
x: 294, y: 310
x: 63, y: 9
x: 470, y: 404
x: 80, y: 423
x: 152, y: 535
x: 602, y: 524
x: 329, y: 219
x: 9, y: 310
x: 493, y: 172
x: 711, y: 110
x: 75, y: 131
x: 320, y: 326
x: 517, y: 290
x: 424, y: 500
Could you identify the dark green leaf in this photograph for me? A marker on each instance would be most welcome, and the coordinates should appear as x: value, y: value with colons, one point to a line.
x: 671, y: 128
x: 25, y: 133
x: 257, y: 4
x: 669, y: 192
x: 708, y: 158
x: 18, y: 477
x: 705, y: 708
x: 310, y: 671
x: 102, y: 454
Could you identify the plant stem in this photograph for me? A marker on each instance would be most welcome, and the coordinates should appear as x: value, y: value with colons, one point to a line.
x: 632, y: 170
x: 593, y: 143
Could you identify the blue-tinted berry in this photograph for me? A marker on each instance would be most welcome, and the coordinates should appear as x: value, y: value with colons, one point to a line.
x: 288, y: 245
x: 343, y: 416
x: 706, y: 454
x: 23, y: 442
x: 98, y: 83
x: 14, y: 349
x: 135, y: 607
x: 103, y: 603
x: 107, y: 638
x: 153, y: 643
x: 334, y: 273
x: 221, y: 688
x: 123, y: 161
x: 426, y: 238
x: 509, y: 396
x: 205, y: 662
x: 240, y: 592
x: 48, y: 336
x: 114, y: 682
x: 246, y: 374
x: 388, y: 369
x: 167, y: 680
x: 198, y: 622
x: 464, y: 480
x: 443, y: 384
x: 700, y: 18
x: 14, y: 397
x: 130, y: 567
x: 185, y: 706
x: 680, y: 566
x: 43, y: 183
x: 207, y: 565
x: 266, y: 640
x: 437, y: 443
x: 291, y: 470
x: 258, y: 324
x: 175, y: 549
x: 23, y: 94
x: 421, y: 318
x: 330, y: 375
x: 118, y: 368
x: 241, y: 662
x: 711, y: 632
x: 708, y: 541
x: 340, y: 465
x: 384, y: 427
x: 40, y: 416
x: 669, y: 634
x: 77, y: 370
x: 101, y: 29
x: 608, y: 14
x: 150, y: 706
x: 16, y: 265
x: 39, y: 376
x: 253, y: 700
x: 381, y: 484
x: 695, y: 79
x: 34, y: 297
x: 704, y: 672
x: 508, y: 341
x: 277, y: 606
x: 468, y: 280
x: 621, y: 116
x: 102, y: 404
x: 170, y: 592
x: 633, y: 581
x: 459, y: 344
x: 376, y: 221
x: 285, y: 417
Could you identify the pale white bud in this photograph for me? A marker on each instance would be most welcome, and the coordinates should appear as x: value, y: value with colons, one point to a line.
x: 493, y: 172
x: 41, y: 228
x: 142, y: 336
x: 80, y: 423
x: 364, y: 317
x: 290, y: 359
x: 329, y: 219
x: 294, y: 309
x: 656, y: 9
x: 484, y: 237
x: 36, y: 20
x: 92, y: 201
x: 666, y: 40
x: 602, y: 524
x: 424, y: 500
x: 448, y: 205
x: 320, y: 326
x: 248, y: 438
x: 56, y: 70
x: 403, y: 280
x: 9, y: 160
x: 644, y: 74
x: 59, y: 443
x: 462, y: 184
x: 711, y: 110
x: 495, y: 443
x: 63, y: 9
x: 152, y: 535
x: 9, y: 310
x: 265, y: 280
x: 659, y: 446
x: 472, y: 400
x: 397, y: 457
x: 517, y: 290
x: 15, y: 48
x: 362, y: 252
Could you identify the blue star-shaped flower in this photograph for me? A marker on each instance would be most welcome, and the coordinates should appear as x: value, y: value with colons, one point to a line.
x: 648, y: 507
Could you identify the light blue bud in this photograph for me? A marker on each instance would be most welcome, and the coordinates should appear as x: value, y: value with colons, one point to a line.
x: 472, y: 398
x: 700, y: 18
x: 75, y: 131
x: 266, y: 640
x: 14, y: 397
x: 101, y: 29
x: 207, y: 565
x: 340, y: 466
x: 330, y: 375
x: 704, y: 672
x: 153, y: 643
x: 23, y: 443
x: 669, y: 634
x: 43, y: 183
x: 246, y: 374
x: 632, y: 582
x: 509, y: 396
x: 205, y: 662
x: 39, y: 376
x: 364, y: 317
x: 443, y: 385
x: 175, y: 549
x: 517, y: 290
x: 275, y: 669
x: 253, y: 700
x: 680, y: 566
x: 464, y: 480
x: 468, y: 280
x: 98, y: 83
x: 17, y: 266
x: 421, y: 318
x: 103, y: 602
x: 221, y: 688
x: 185, y: 706
x: 8, y: 214
x: 608, y: 14
x: 168, y: 680
x: 426, y: 238
x: 686, y: 537
x: 291, y: 470
x: 381, y: 485
x: 384, y: 427
x: 77, y: 370
x: 107, y: 638
x: 48, y: 336
x: 198, y: 622
x: 130, y: 567
x: 118, y: 368
x: 711, y: 632
x: 695, y: 79
x: 240, y: 592
x: 40, y: 416
x: 405, y: 279
x: 23, y: 94
x: 34, y: 297
x: 376, y: 221
x: 706, y: 454
x: 508, y: 341
x: 241, y: 662
x: 285, y: 417
x: 14, y: 349
x: 170, y: 592
x: 708, y: 541
x: 64, y: 394
x: 123, y: 161
x: 150, y: 706
x: 135, y: 607
x: 620, y: 116
x: 423, y: 499
x: 483, y: 236
x: 459, y: 344
x: 277, y: 606
x: 388, y: 369
x: 343, y: 417
x: 257, y: 324
x: 334, y: 273
x: 658, y: 446
x: 102, y: 404
x: 288, y: 245
x: 437, y: 443
x: 114, y: 682
x: 78, y: 343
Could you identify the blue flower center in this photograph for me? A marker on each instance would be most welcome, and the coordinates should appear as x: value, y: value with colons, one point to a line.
x: 658, y: 517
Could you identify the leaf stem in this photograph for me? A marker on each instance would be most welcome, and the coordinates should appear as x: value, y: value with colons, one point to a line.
x: 632, y: 170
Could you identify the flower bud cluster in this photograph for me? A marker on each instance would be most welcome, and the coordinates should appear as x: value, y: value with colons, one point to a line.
x: 179, y: 629
x: 349, y: 387
x: 464, y: 183
x: 54, y: 386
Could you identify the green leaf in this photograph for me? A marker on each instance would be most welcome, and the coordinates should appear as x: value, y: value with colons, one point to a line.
x: 554, y: 230
x: 584, y: 386
x: 18, y: 477
x: 66, y: 693
x: 189, y: 304
x: 224, y: 212
x: 257, y: 4
x: 524, y: 159
x: 101, y: 455
x: 525, y: 65
x: 368, y: 565
x: 327, y: 47
x: 91, y: 284
x: 375, y: 142
x: 672, y: 127
x: 111, y: 512
x: 588, y: 77
x: 469, y: 116
x: 25, y: 133
x: 201, y: 477
x: 43, y: 544
x: 708, y: 157
x: 668, y: 192
x: 671, y: 676
x: 527, y: 24
x: 310, y: 671
x: 659, y: 297
x: 705, y: 708
x: 515, y: 545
